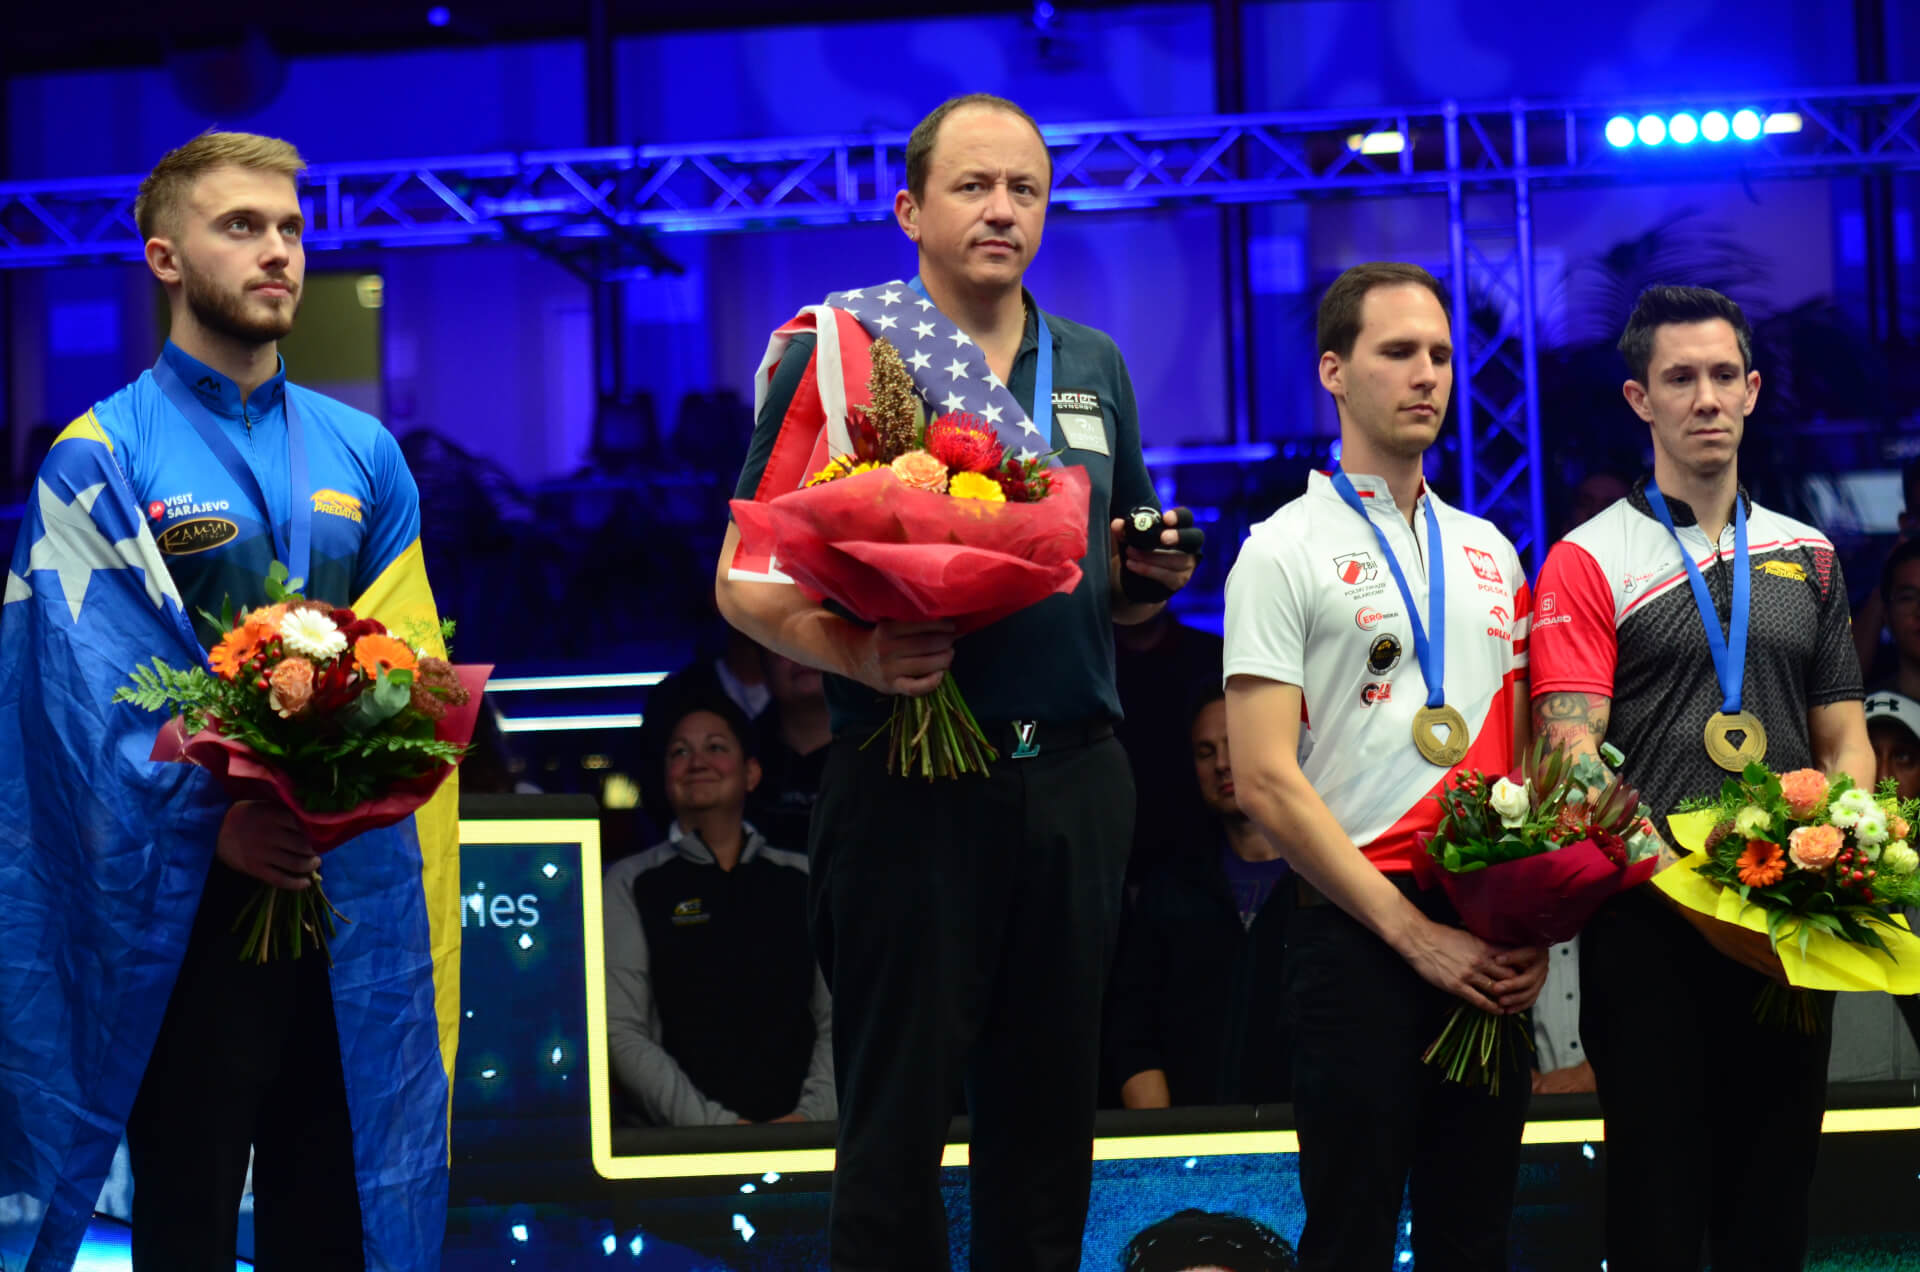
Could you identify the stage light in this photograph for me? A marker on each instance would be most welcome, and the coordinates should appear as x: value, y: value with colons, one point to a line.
x: 1713, y: 126
x: 1620, y: 132
x: 438, y: 16
x: 1652, y: 130
x: 1682, y: 129
x: 1785, y: 121
x: 1746, y: 125
x: 1377, y: 143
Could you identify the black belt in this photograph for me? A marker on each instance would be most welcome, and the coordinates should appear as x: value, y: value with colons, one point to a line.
x: 1024, y: 739
x: 1308, y: 895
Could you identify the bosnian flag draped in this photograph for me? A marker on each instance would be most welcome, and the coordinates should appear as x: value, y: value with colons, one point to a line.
x: 947, y: 367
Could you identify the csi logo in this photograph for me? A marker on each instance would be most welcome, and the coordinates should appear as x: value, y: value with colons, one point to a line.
x: 1484, y: 566
x: 1355, y: 567
x: 1547, y: 603
x: 1381, y: 691
x: 1368, y: 618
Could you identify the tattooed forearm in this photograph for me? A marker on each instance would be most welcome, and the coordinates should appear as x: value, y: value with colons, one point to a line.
x: 1576, y: 721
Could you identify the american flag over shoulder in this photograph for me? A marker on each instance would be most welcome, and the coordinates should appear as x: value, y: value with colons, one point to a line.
x: 947, y: 367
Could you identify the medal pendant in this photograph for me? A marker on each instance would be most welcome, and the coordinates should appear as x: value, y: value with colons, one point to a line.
x: 1720, y: 747
x: 1433, y: 748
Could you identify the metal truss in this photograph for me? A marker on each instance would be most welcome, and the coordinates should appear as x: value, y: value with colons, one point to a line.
x: 601, y: 212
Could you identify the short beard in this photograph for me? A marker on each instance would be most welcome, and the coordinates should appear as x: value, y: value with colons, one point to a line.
x: 226, y: 314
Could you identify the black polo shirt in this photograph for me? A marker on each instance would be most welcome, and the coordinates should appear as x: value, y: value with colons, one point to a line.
x: 1052, y: 661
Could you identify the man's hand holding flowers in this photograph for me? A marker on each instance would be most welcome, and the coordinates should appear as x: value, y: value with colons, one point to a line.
x: 263, y: 840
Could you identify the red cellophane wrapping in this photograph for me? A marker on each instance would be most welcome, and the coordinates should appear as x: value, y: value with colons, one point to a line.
x: 1540, y: 900
x: 886, y: 551
x: 243, y: 774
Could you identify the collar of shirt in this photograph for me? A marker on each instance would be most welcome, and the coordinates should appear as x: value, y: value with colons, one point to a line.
x: 1030, y: 334
x: 694, y: 849
x: 1682, y: 511
x: 221, y: 394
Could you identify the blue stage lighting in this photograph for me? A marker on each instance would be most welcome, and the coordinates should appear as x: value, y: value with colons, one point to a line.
x: 438, y: 16
x: 1713, y: 126
x: 1653, y: 130
x: 1682, y: 129
x: 1746, y: 125
x: 1620, y: 132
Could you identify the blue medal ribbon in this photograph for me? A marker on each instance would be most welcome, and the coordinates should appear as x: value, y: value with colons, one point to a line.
x: 1430, y: 651
x: 1730, y: 649
x: 1042, y: 413
x: 293, y: 547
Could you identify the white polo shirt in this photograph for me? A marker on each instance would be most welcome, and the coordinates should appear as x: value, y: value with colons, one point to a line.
x: 1312, y: 602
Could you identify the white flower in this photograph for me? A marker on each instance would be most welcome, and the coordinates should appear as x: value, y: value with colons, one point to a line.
x: 1871, y: 831
x: 1753, y: 822
x: 1513, y: 803
x: 1846, y: 810
x: 1870, y: 851
x: 1900, y: 859
x: 312, y: 634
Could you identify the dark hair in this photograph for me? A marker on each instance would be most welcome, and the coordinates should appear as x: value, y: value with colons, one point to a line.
x: 1904, y: 554
x: 1661, y: 305
x: 682, y: 705
x: 927, y: 131
x: 1208, y: 693
x: 1206, y: 1239
x: 1338, y: 323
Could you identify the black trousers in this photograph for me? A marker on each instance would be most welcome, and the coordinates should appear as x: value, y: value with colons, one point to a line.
x: 1375, y: 1121
x: 247, y: 1058
x: 1713, y: 1119
x: 965, y: 928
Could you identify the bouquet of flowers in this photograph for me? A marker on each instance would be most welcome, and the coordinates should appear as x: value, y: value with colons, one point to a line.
x: 1820, y: 866
x: 926, y: 519
x: 326, y: 712
x: 1526, y: 863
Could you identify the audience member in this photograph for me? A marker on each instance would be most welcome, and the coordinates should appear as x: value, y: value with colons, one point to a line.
x: 1195, y: 1014
x: 794, y: 733
x: 736, y: 673
x: 1161, y: 666
x: 1205, y: 1241
x: 715, y: 1010
x: 1875, y: 612
x: 1900, y: 588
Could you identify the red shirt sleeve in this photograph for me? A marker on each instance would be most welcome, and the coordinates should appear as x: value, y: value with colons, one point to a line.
x: 1573, y: 644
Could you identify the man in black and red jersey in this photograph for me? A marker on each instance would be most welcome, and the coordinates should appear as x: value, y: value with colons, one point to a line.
x: 1694, y: 631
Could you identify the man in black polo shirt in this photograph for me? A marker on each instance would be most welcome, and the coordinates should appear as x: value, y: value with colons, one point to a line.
x: 965, y: 926
x: 1696, y: 630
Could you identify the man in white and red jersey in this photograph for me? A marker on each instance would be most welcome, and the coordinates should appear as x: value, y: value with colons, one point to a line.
x: 1376, y: 643
x: 1694, y: 630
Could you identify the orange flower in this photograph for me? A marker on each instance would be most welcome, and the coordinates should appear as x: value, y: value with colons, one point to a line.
x: 1761, y: 864
x: 1815, y: 847
x: 292, y: 687
x: 238, y: 645
x: 373, y: 653
x: 1803, y: 790
x: 921, y: 471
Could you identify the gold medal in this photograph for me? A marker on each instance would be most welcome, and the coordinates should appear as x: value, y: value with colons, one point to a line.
x: 1720, y: 747
x: 1447, y: 751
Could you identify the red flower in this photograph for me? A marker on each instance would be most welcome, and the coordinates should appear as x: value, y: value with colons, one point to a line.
x: 965, y: 444
x: 866, y: 438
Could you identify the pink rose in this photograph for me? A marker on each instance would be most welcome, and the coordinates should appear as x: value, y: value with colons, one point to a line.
x: 1815, y: 847
x: 291, y: 687
x: 921, y: 471
x: 1803, y: 790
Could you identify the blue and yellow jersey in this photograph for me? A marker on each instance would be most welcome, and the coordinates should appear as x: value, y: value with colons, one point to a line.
x: 364, y: 504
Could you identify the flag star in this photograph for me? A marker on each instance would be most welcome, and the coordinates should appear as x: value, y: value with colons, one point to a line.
x: 855, y: 294
x: 954, y: 402
x: 887, y: 322
x: 956, y: 370
x: 960, y: 338
x: 890, y: 296
x: 992, y: 413
x: 74, y: 548
x: 920, y: 361
x: 924, y: 303
x: 17, y: 589
x: 850, y: 309
x: 1027, y: 425
x: 923, y: 329
x: 993, y: 381
x: 1028, y: 456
